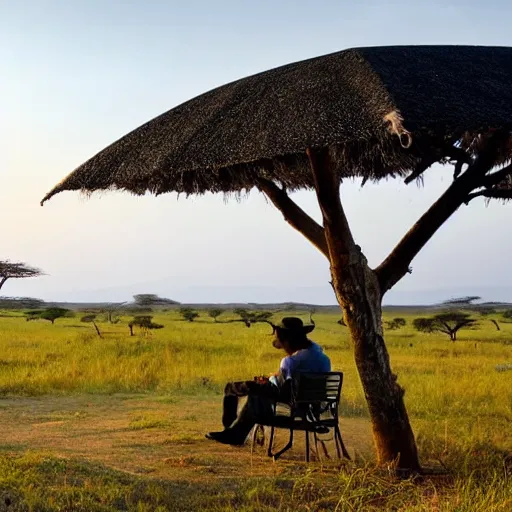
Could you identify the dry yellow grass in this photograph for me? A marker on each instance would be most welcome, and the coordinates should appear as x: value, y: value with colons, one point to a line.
x: 124, y: 417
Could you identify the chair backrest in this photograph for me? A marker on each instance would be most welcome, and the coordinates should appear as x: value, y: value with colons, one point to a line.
x: 317, y: 387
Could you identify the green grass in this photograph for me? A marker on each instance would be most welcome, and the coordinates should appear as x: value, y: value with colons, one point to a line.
x: 459, y: 404
x: 41, y: 482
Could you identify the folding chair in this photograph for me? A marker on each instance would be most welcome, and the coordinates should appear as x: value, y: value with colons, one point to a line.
x: 313, y: 407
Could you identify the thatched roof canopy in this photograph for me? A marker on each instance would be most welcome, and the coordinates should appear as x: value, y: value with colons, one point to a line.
x: 380, y: 110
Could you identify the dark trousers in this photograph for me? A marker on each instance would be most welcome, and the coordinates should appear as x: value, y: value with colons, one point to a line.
x: 259, y: 405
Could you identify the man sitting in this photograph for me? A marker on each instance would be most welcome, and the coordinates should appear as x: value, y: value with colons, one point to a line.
x: 302, y: 355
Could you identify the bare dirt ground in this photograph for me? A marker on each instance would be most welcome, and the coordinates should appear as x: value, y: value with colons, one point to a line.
x: 160, y: 437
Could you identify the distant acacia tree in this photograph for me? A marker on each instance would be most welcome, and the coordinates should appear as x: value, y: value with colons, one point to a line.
x: 215, y: 313
x: 10, y: 270
x: 461, y: 301
x: 145, y: 322
x: 447, y: 323
x: 111, y: 311
x: 32, y: 315
x: 260, y: 316
x: 252, y: 317
x: 146, y: 300
x: 50, y: 314
x: 507, y: 315
x: 91, y: 318
x: 188, y: 314
x: 21, y: 303
x: 241, y: 312
x: 396, y: 323
x: 486, y: 312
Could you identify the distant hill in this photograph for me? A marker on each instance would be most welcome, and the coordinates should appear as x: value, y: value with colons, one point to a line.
x: 286, y: 306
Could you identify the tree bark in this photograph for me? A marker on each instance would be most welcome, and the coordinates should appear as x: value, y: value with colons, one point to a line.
x: 358, y: 293
x: 2, y: 281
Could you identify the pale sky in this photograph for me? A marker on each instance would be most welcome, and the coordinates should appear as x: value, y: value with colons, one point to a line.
x: 78, y: 74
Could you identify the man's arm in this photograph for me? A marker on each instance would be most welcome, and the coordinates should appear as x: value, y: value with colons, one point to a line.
x: 286, y: 368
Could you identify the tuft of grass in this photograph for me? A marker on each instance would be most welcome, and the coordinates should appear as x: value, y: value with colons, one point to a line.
x: 145, y: 421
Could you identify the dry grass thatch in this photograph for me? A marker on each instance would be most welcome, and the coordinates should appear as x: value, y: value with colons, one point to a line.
x: 380, y: 110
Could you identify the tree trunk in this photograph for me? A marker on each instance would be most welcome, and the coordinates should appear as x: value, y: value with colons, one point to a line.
x: 2, y: 281
x: 358, y: 292
x: 453, y: 335
x: 359, y: 296
x: 98, y: 332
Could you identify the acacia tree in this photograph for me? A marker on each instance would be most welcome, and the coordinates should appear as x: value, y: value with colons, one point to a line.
x: 111, y: 311
x: 21, y: 303
x: 507, y: 315
x: 145, y: 322
x: 91, y: 319
x: 312, y: 124
x: 396, y: 323
x: 252, y: 317
x: 10, y: 270
x: 50, y: 314
x: 148, y: 300
x: 488, y: 311
x: 462, y: 301
x: 188, y: 314
x: 215, y: 313
x: 447, y: 323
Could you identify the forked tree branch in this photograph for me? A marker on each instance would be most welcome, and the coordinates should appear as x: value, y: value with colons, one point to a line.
x: 294, y: 214
x: 396, y: 265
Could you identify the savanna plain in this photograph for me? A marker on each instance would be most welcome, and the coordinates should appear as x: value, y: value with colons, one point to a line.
x: 118, y: 422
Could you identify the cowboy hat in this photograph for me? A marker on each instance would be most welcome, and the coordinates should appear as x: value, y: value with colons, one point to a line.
x: 292, y: 324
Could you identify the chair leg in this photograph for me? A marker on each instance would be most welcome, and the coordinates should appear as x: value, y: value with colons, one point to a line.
x: 253, y: 438
x: 315, y: 439
x: 286, y: 448
x: 337, y: 443
x: 322, y: 443
x: 340, y: 443
x: 257, y: 437
x: 270, y: 442
x: 307, y: 445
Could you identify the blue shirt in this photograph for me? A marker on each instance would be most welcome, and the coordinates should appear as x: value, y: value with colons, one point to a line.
x: 311, y: 359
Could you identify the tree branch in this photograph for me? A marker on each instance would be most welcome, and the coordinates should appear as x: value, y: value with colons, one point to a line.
x: 294, y: 215
x: 458, y: 155
x: 497, y: 177
x: 327, y: 187
x: 2, y: 281
x: 396, y: 265
x: 490, y: 194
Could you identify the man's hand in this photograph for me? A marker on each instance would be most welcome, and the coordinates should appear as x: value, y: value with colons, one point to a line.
x: 261, y: 379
